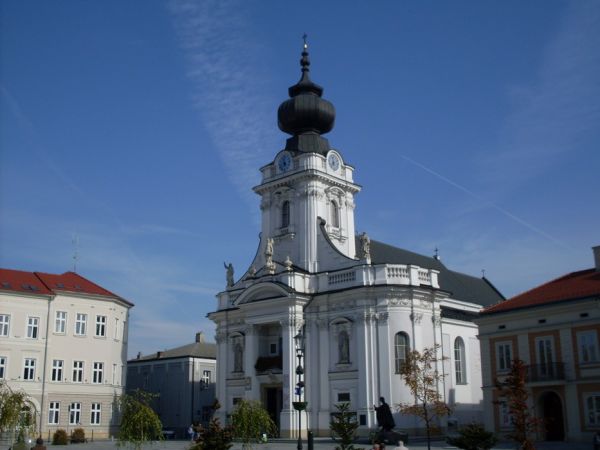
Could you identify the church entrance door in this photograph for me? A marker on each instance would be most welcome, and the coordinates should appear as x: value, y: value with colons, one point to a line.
x: 273, y: 401
x: 552, y: 412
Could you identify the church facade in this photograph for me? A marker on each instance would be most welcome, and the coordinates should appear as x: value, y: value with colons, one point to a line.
x: 361, y: 304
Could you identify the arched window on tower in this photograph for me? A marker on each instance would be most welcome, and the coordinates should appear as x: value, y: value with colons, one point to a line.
x: 460, y: 366
x: 401, y: 349
x: 285, y: 214
x: 335, y: 214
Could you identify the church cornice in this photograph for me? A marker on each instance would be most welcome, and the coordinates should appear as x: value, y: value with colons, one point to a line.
x: 306, y: 174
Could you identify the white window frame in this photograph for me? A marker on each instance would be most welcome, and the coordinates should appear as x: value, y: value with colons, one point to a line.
x: 4, y: 325
x: 80, y: 324
x: 96, y: 414
x: 504, y: 360
x: 591, y: 405
x: 77, y: 372
x: 587, y: 345
x: 97, y: 372
x: 116, y: 337
x: 33, y: 327
x: 29, y: 369
x: 334, y: 214
x: 401, y: 349
x: 57, y: 369
x: 60, y: 322
x: 100, y: 326
x: 206, y: 378
x: 3, y: 360
x: 75, y: 413
x: 460, y: 361
x: 53, y: 413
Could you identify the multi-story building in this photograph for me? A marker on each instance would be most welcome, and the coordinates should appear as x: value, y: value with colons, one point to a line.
x: 63, y: 340
x: 360, y: 304
x: 183, y: 378
x: 554, y: 330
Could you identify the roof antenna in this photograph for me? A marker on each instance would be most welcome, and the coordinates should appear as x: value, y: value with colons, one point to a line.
x: 482, y: 273
x: 436, y: 255
x: 75, y: 242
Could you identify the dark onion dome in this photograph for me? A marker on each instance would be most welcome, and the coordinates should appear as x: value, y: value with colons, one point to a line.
x: 305, y: 115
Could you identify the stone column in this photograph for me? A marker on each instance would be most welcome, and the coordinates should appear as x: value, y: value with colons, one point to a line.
x: 288, y: 419
x: 221, y: 374
x: 384, y: 359
x: 364, y: 363
x: 324, y: 405
x: 250, y: 355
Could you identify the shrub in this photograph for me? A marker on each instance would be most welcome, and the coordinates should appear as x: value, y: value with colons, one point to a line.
x: 473, y: 437
x: 60, y: 437
x: 77, y: 436
x: 215, y: 437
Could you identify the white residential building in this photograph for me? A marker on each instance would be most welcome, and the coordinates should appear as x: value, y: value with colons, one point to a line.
x: 63, y: 340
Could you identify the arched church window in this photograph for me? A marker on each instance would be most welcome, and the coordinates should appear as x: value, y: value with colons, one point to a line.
x: 285, y: 214
x: 344, y: 347
x: 335, y: 214
x: 460, y: 366
x: 401, y: 348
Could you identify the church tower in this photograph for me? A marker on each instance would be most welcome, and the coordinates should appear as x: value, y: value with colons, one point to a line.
x: 308, y: 187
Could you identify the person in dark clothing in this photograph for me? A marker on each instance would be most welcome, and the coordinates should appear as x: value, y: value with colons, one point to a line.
x: 39, y: 444
x: 384, y: 415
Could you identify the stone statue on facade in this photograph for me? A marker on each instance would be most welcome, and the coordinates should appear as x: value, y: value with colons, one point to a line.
x: 229, y: 273
x: 269, y: 264
x: 365, y: 246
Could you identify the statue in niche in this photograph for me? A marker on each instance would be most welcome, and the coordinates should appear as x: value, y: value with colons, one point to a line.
x: 229, y: 273
x: 269, y: 248
x: 238, y: 357
x: 344, y: 347
x: 365, y: 246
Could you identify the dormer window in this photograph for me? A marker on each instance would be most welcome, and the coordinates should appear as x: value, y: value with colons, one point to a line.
x: 335, y: 214
x: 285, y: 214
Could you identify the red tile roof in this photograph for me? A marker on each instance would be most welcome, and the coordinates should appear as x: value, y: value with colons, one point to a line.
x: 51, y: 284
x: 575, y: 285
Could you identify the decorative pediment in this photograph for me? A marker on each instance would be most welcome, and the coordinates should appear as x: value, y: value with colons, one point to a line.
x: 262, y: 291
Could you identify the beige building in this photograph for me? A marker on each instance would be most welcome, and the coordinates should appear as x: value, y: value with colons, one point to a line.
x: 63, y: 340
x: 554, y: 329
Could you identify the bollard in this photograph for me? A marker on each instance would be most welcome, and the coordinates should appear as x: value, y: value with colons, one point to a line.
x: 309, y: 439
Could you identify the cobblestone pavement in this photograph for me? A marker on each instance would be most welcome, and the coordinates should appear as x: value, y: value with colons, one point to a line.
x: 320, y: 444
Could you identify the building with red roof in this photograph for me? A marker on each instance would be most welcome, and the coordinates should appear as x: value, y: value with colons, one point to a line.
x: 63, y: 340
x: 554, y: 329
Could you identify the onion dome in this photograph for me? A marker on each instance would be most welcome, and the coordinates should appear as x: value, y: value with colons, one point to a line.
x: 305, y: 115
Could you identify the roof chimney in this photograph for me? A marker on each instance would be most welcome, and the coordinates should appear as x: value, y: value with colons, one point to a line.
x: 158, y: 354
x: 596, y: 251
x: 200, y: 337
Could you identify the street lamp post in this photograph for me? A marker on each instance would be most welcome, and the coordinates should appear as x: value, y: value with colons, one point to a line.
x: 299, y: 405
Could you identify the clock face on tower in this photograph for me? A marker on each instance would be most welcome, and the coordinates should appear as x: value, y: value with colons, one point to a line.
x: 334, y: 161
x: 284, y: 162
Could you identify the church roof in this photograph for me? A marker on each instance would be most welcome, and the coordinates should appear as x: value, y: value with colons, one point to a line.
x: 572, y: 286
x: 51, y: 284
x: 460, y: 286
x: 206, y: 350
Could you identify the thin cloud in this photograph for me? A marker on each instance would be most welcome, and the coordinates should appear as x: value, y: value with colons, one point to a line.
x: 229, y: 91
x: 561, y: 110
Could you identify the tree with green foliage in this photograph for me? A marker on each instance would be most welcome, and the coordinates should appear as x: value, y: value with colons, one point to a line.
x: 422, y: 377
x: 249, y: 421
x: 473, y: 437
x: 16, y: 416
x: 513, y: 390
x: 344, y: 425
x: 214, y: 437
x: 139, y: 422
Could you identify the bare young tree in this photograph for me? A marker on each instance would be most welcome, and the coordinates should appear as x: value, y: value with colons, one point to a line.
x: 420, y: 374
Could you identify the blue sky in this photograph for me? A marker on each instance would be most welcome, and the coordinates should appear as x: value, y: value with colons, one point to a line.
x: 139, y: 126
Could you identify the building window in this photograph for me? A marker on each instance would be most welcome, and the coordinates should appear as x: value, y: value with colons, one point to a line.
x: 101, y: 326
x: 53, y: 413
x: 33, y: 324
x: 285, y: 214
x: 343, y: 397
x: 77, y: 371
x: 97, y: 372
x: 545, y: 355
x: 401, y: 347
x: 344, y: 347
x: 116, y: 329
x: 503, y: 356
x: 335, y: 214
x: 80, y: 324
x: 4, y: 324
x: 206, y: 377
x: 2, y: 367
x: 592, y: 409
x: 29, y: 369
x: 75, y: 414
x: 460, y: 366
x: 57, y: 369
x: 60, y: 322
x: 588, y: 346
x: 506, y: 419
x: 95, y: 417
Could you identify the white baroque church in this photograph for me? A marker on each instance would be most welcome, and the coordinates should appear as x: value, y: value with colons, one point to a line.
x: 360, y: 304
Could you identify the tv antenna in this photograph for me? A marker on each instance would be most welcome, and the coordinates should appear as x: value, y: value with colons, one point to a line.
x: 75, y: 242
